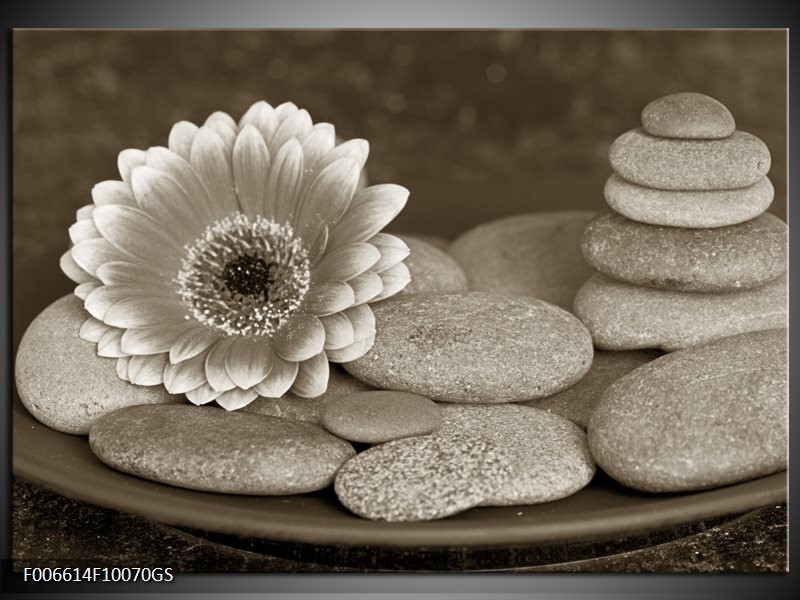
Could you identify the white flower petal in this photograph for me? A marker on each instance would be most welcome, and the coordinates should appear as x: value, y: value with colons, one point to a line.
x: 338, y: 331
x: 187, y: 375
x: 283, y: 182
x: 317, y: 144
x: 345, y: 262
x: 73, y: 270
x: 279, y: 380
x: 84, y: 212
x: 261, y: 116
x: 285, y: 110
x: 193, y: 342
x: 144, y: 311
x: 181, y: 137
x: 123, y: 272
x: 327, y: 198
x: 89, y: 255
x: 366, y: 286
x: 250, y: 170
x: 224, y: 125
x: 300, y: 338
x: 363, y: 321
x: 122, y: 367
x: 352, y: 352
x: 202, y: 395
x: 92, y: 330
x: 328, y: 297
x: 83, y: 230
x: 127, y: 160
x: 317, y: 247
x: 236, y: 398
x: 109, y: 344
x: 394, y: 279
x: 393, y: 250
x: 147, y: 370
x: 296, y: 126
x: 83, y: 290
x: 216, y: 374
x: 249, y: 361
x: 212, y: 161
x: 153, y: 340
x: 113, y: 192
x: 370, y: 211
x: 312, y: 377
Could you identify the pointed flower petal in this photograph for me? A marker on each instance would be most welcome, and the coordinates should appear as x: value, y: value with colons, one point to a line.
x: 371, y: 210
x: 113, y: 192
x: 338, y: 331
x: 296, y: 126
x: 187, y: 375
x: 202, y: 395
x: 327, y: 198
x: 345, y: 262
x: 163, y: 199
x: 312, y: 377
x: 92, y: 330
x: 216, y: 373
x: 83, y: 290
x: 279, y: 380
x: 181, y: 137
x: 192, y: 343
x: 127, y: 160
x: 147, y: 370
x: 261, y: 116
x: 250, y: 169
x: 300, y: 338
x: 352, y: 352
x: 394, y: 279
x: 365, y: 287
x: 73, y: 270
x: 236, y: 398
x: 249, y: 361
x: 283, y: 182
x: 328, y: 297
x: 210, y: 158
x: 153, y: 340
x: 109, y: 344
x: 122, y: 367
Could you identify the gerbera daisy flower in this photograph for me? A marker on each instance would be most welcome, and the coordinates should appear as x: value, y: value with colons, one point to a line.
x: 240, y: 260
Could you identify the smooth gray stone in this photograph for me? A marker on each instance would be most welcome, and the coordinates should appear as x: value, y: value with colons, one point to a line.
x: 210, y: 449
x: 622, y: 316
x: 688, y: 115
x: 733, y: 162
x: 699, y: 418
x: 474, y: 347
x: 432, y: 269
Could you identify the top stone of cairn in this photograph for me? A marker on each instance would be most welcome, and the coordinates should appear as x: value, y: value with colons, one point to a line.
x: 688, y: 115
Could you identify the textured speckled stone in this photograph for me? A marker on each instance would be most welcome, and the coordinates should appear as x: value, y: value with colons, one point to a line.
x: 422, y: 478
x: 289, y: 406
x: 733, y: 162
x: 698, y: 418
x: 688, y: 115
x: 622, y: 316
x: 431, y: 268
x: 550, y: 456
x: 577, y: 403
x: 535, y: 254
x: 381, y: 416
x: 62, y: 381
x: 474, y: 347
x: 688, y: 208
x: 206, y: 448
x: 723, y: 259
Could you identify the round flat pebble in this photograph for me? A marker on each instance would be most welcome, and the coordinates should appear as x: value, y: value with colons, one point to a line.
x: 474, y: 347
x: 733, y: 162
x: 694, y: 260
x: 622, y: 316
x: 535, y: 254
x: 422, y: 478
x: 289, y: 406
x: 381, y: 416
x: 676, y: 208
x: 61, y: 380
x: 210, y: 449
x: 432, y: 269
x: 688, y: 115
x: 550, y: 455
x: 698, y: 418
x: 578, y: 402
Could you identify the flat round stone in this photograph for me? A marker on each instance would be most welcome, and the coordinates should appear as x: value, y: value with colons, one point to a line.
x: 722, y: 259
x: 676, y: 208
x: 289, y: 406
x: 733, y: 162
x: 688, y: 115
x: 422, y: 478
x: 550, y: 455
x: 432, y: 269
x: 577, y: 403
x: 210, y: 449
x: 62, y: 381
x: 474, y: 347
x: 622, y: 316
x: 535, y: 254
x: 698, y: 418
x: 381, y: 416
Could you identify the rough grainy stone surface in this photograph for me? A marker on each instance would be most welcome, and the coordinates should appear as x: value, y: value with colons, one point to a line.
x: 289, y: 406
x: 432, y: 269
x: 622, y: 316
x: 722, y: 259
x: 422, y: 478
x: 688, y: 115
x: 733, y: 162
x: 688, y: 208
x: 381, y: 416
x: 577, y: 403
x: 550, y: 455
x: 438, y: 241
x: 474, y: 347
x: 206, y: 448
x: 535, y: 254
x: 698, y: 418
x: 62, y: 381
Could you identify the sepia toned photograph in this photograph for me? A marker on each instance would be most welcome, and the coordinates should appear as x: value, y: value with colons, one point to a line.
x: 292, y: 301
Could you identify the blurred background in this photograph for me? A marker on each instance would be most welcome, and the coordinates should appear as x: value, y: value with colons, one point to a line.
x: 477, y: 124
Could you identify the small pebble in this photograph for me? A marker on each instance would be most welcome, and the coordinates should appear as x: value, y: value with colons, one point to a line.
x: 432, y: 269
x: 688, y: 115
x: 381, y: 416
x: 210, y: 449
x: 699, y: 418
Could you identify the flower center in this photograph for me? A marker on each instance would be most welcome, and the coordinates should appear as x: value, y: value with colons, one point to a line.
x: 244, y: 276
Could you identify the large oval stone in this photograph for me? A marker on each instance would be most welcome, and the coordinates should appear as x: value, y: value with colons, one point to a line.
x: 536, y: 254
x: 474, y: 347
x: 697, y: 260
x: 622, y: 316
x: 210, y: 449
x: 62, y: 381
x: 432, y: 269
x: 698, y: 418
x: 578, y: 402
x: 688, y: 115
x: 688, y: 208
x: 733, y: 162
